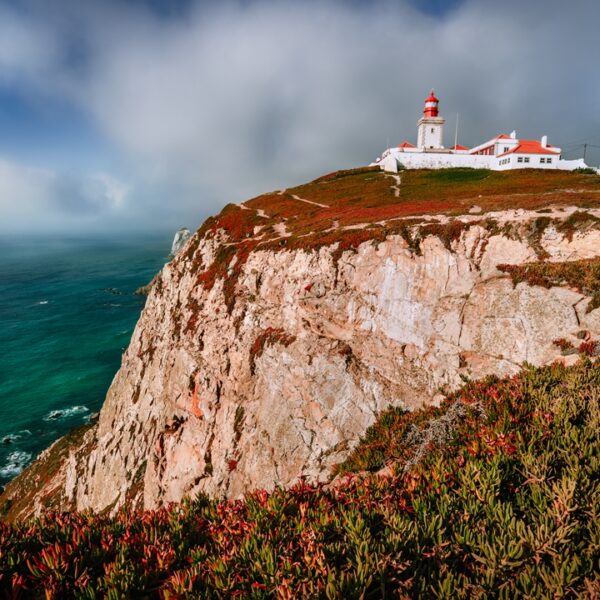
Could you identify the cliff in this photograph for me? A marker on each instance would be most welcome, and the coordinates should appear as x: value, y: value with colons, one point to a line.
x: 493, y: 494
x: 271, y: 342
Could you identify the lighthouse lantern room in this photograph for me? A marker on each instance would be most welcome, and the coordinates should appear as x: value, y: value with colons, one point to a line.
x: 431, y: 125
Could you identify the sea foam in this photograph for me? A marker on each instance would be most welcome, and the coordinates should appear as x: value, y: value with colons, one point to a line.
x: 15, y: 462
x: 11, y: 438
x: 65, y: 413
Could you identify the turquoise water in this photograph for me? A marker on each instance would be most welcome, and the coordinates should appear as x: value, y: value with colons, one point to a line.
x: 67, y: 312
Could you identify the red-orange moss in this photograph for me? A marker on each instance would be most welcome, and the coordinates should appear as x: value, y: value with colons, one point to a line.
x: 269, y: 337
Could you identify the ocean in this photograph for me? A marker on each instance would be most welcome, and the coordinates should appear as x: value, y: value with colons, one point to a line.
x: 67, y: 312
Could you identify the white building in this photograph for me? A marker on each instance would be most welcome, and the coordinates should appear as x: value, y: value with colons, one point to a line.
x: 500, y: 153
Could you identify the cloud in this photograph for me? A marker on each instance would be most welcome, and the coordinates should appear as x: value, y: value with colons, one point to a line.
x: 27, y: 48
x: 222, y: 101
x: 33, y: 199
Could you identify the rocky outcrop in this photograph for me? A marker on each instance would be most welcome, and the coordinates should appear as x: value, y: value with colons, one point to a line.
x: 220, y: 398
x: 180, y: 240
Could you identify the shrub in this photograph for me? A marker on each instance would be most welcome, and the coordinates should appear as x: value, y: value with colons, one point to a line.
x: 493, y: 494
x: 563, y: 344
x: 588, y: 348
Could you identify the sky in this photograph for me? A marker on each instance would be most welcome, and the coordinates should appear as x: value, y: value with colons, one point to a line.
x: 149, y: 115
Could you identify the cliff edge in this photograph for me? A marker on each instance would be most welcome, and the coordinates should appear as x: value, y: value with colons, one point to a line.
x: 272, y: 341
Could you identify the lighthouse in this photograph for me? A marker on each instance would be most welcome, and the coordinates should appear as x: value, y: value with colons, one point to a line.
x: 500, y: 153
x: 430, y: 125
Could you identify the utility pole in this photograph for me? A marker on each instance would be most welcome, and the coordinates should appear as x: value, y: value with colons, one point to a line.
x: 584, y: 151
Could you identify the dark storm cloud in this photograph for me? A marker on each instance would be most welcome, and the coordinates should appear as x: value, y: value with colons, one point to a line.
x: 215, y: 102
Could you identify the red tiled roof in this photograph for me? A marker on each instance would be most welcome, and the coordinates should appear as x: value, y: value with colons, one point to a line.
x: 503, y: 136
x: 530, y: 147
x: 406, y: 144
x: 459, y: 147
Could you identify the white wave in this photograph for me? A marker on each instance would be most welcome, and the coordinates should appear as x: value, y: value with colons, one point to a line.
x: 15, y: 462
x: 43, y: 302
x: 11, y: 438
x: 65, y: 413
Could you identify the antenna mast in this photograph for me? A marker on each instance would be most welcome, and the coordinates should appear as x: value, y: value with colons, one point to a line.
x: 456, y: 133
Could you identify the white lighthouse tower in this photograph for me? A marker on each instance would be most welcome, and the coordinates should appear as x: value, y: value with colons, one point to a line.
x: 430, y: 126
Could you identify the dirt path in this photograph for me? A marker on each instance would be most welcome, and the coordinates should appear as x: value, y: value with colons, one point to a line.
x: 309, y: 201
x: 396, y: 187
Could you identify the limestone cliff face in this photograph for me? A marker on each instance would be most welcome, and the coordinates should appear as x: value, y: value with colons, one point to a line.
x: 220, y: 398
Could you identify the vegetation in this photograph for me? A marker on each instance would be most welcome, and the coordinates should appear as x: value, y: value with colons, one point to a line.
x: 493, y: 494
x: 564, y: 344
x: 350, y: 207
x: 43, y: 469
x: 581, y: 275
x: 269, y: 337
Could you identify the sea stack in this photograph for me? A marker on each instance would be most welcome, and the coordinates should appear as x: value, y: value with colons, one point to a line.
x: 180, y: 240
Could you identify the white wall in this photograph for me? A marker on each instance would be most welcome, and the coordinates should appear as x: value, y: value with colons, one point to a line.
x: 570, y: 165
x: 394, y: 159
x: 433, y: 160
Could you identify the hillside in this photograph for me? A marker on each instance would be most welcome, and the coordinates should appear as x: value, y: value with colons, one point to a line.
x: 270, y: 344
x: 351, y: 207
x: 493, y: 494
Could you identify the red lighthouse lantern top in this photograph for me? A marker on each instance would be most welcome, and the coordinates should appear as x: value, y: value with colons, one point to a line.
x: 431, y: 106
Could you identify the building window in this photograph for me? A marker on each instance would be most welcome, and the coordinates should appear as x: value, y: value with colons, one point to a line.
x: 548, y: 160
x: 505, y: 148
x: 520, y: 159
x: 432, y: 130
x: 542, y: 160
x: 527, y: 159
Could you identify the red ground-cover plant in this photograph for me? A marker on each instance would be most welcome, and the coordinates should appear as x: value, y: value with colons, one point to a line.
x: 581, y: 275
x: 563, y: 344
x: 237, y: 222
x: 588, y: 348
x: 269, y: 337
x: 506, y: 499
x: 281, y: 206
x: 227, y: 266
x: 365, y: 198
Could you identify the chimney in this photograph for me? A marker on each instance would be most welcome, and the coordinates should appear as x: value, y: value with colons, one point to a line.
x: 544, y: 141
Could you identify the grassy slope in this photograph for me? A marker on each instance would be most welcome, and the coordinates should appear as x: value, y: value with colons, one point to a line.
x: 503, y: 501
x: 348, y: 208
